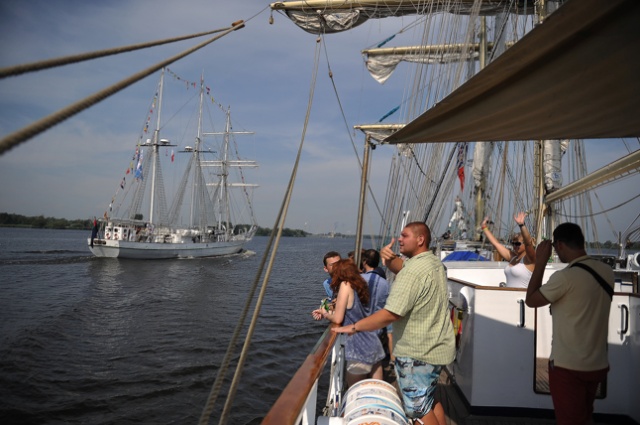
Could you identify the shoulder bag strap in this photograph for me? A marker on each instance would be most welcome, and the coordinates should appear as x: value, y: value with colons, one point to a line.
x: 607, y: 288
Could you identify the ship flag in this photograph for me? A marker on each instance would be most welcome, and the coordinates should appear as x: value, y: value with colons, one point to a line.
x: 462, y: 156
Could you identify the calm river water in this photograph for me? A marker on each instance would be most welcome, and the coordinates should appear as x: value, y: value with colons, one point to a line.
x: 103, y: 341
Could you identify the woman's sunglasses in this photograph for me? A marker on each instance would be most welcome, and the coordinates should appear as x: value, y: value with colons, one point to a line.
x: 516, y: 244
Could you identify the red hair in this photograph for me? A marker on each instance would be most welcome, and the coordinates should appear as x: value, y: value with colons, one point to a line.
x: 346, y: 271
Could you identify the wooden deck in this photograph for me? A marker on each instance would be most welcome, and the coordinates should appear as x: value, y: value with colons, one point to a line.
x: 458, y: 414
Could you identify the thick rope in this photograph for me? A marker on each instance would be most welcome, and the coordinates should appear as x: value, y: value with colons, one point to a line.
x: 224, y: 366
x: 598, y: 213
x: 278, y: 227
x: 281, y: 221
x: 45, y: 123
x: 344, y: 119
x: 66, y: 60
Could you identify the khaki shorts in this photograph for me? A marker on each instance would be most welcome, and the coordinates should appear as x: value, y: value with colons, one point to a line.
x: 358, y: 368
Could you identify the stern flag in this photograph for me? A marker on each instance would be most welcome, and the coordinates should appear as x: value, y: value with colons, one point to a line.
x: 173, y: 155
x: 462, y: 157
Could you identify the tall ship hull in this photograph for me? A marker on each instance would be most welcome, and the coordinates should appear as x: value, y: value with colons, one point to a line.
x: 152, y: 251
x: 161, y: 250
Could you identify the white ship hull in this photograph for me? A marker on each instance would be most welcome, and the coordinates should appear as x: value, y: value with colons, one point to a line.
x: 159, y: 251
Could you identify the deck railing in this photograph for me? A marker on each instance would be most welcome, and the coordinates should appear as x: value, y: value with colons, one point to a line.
x: 297, y: 403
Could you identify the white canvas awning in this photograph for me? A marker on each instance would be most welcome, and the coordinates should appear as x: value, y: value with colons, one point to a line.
x: 576, y: 76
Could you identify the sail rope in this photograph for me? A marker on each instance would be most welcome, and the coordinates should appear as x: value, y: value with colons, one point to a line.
x: 63, y: 114
x: 244, y: 187
x: 439, y: 185
x: 344, y: 119
x: 138, y: 182
x: 418, y: 168
x: 66, y: 60
x: 429, y: 85
x: 631, y: 224
x: 600, y: 212
x: 276, y: 234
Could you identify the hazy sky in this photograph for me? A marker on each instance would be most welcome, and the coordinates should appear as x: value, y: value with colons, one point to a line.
x: 263, y: 72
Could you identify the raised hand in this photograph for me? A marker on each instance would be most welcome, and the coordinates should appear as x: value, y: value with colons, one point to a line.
x: 387, y: 254
x: 543, y: 253
x: 485, y: 222
x: 519, y: 218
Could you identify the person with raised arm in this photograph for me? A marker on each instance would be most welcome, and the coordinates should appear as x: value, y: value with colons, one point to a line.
x: 522, y: 255
x: 580, y: 296
x: 390, y: 259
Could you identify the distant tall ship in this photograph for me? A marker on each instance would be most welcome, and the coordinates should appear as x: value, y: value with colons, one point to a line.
x: 147, y: 229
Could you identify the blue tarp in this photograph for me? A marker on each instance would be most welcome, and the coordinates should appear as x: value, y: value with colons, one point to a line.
x: 464, y: 256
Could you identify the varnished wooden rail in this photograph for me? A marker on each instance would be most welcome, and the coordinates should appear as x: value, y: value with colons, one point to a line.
x: 287, y: 408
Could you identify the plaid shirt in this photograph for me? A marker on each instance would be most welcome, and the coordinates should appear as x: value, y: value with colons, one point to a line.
x: 419, y: 295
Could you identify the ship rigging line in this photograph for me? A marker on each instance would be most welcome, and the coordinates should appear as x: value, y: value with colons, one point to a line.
x: 49, y: 121
x: 437, y: 189
x: 66, y: 60
x: 276, y: 234
x: 598, y: 213
x: 344, y: 119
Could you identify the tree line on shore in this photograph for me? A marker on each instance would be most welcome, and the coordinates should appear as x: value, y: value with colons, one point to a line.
x: 42, y: 222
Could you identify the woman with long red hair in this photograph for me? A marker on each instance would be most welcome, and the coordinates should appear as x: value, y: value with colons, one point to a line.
x: 363, y: 350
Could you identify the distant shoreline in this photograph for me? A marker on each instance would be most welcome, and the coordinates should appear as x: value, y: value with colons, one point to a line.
x: 42, y: 222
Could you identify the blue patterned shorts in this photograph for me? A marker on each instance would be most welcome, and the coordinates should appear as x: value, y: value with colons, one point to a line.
x: 417, y: 381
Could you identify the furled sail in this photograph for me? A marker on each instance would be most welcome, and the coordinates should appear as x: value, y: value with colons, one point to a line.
x: 331, y: 16
x: 552, y: 163
x: 378, y: 132
x: 481, y: 160
x: 382, y: 62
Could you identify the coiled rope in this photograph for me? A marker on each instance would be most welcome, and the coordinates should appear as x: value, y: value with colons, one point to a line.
x: 276, y: 234
x: 47, y: 122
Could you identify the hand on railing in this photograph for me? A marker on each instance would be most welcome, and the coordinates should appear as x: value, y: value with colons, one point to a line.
x: 348, y: 329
